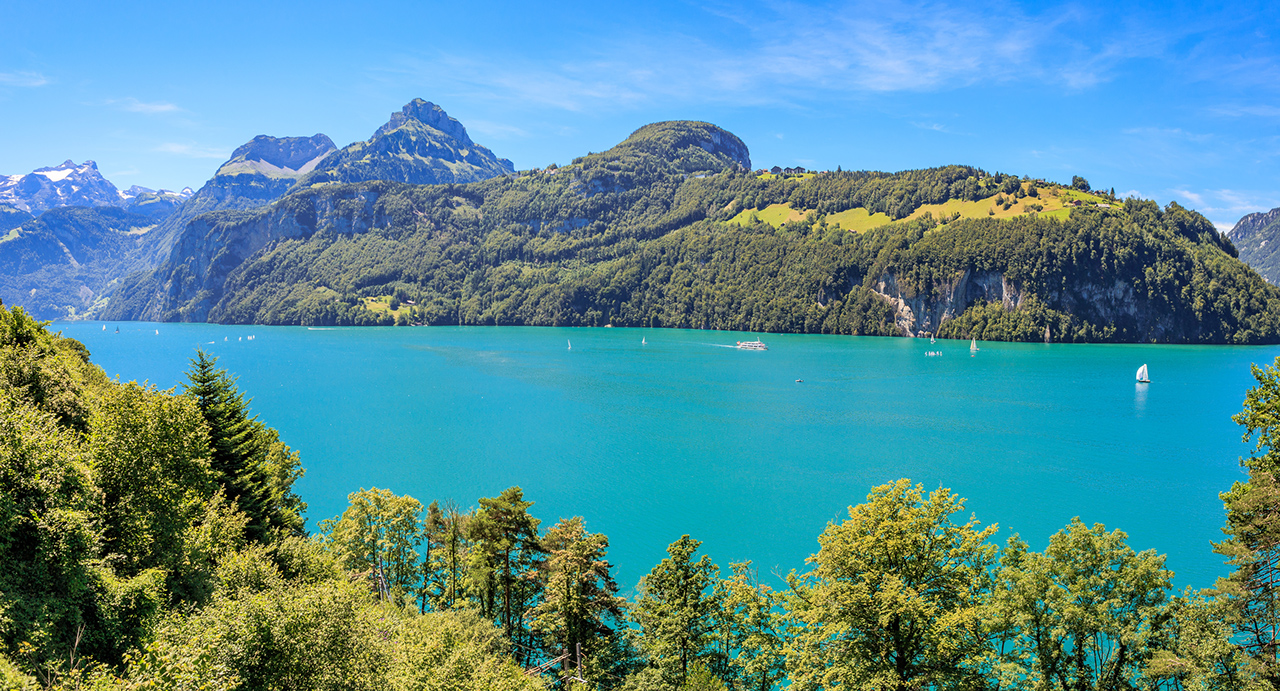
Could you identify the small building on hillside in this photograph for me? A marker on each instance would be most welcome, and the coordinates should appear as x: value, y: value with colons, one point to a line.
x: 775, y: 170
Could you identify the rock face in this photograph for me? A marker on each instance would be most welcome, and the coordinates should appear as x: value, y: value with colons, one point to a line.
x: 1257, y: 237
x: 62, y: 264
x: 64, y: 185
x: 190, y: 283
x: 258, y: 173
x: 156, y: 204
x: 82, y: 185
x: 921, y: 316
x: 278, y: 157
x: 420, y: 145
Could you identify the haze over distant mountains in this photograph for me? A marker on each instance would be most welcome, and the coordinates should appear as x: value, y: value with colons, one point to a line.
x: 69, y: 184
x: 1258, y: 238
x: 64, y: 265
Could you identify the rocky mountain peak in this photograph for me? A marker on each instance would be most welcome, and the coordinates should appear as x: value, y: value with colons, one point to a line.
x: 430, y: 115
x: 66, y: 184
x: 278, y: 157
x: 287, y: 153
x: 1251, y: 223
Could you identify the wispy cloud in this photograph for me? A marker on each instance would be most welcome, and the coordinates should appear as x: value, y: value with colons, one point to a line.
x: 133, y: 105
x: 27, y: 79
x: 788, y: 53
x: 1194, y: 198
x: 1168, y: 133
x: 1226, y: 206
x: 192, y: 151
x: 1235, y: 111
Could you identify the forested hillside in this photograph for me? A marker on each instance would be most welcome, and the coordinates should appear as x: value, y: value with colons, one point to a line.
x: 63, y: 262
x: 152, y: 539
x: 671, y: 229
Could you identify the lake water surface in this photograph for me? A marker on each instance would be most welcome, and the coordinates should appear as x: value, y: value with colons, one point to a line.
x: 685, y: 435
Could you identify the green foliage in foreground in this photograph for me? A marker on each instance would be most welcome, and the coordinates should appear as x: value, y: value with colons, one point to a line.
x: 132, y: 563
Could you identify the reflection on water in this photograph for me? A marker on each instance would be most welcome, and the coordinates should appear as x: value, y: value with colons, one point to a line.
x: 1140, y: 398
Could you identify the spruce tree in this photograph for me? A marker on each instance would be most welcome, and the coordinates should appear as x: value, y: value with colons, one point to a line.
x: 236, y: 453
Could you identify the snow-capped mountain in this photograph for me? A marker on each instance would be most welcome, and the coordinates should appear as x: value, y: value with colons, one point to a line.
x: 65, y: 185
x: 82, y: 185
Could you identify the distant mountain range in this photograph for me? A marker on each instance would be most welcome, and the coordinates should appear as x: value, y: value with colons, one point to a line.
x: 1258, y: 238
x: 81, y: 185
x: 48, y: 278
x: 671, y: 227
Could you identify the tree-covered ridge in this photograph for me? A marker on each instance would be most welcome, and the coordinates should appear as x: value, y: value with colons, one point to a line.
x: 151, y: 540
x: 652, y: 233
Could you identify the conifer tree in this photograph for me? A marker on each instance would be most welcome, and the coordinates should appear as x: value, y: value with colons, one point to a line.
x: 674, y: 610
x: 255, y: 470
x: 507, y: 549
x: 580, y: 606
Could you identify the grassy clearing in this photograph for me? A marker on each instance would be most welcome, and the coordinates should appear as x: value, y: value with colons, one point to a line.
x: 1053, y: 202
x: 774, y: 214
x: 770, y: 176
x: 382, y: 305
x: 858, y: 220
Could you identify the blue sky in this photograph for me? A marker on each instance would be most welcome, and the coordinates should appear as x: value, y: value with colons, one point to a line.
x: 1170, y: 101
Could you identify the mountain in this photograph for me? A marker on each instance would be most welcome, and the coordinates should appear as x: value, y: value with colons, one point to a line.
x: 669, y: 228
x: 420, y: 145
x: 64, y: 262
x: 258, y: 172
x: 156, y: 204
x: 11, y: 217
x: 82, y: 185
x: 65, y: 185
x: 1258, y: 237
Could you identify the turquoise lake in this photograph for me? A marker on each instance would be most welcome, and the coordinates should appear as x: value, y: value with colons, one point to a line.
x: 685, y: 435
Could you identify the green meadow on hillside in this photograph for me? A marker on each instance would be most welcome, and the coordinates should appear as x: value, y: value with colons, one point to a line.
x: 1053, y: 201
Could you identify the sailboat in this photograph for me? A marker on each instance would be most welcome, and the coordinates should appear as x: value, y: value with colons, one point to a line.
x: 570, y: 344
x: 104, y: 327
x: 642, y: 341
x: 973, y: 345
x: 1046, y: 333
x: 931, y: 339
x: 1142, y: 375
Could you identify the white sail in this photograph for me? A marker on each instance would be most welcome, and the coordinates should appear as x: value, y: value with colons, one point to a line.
x: 973, y: 344
x: 1142, y: 373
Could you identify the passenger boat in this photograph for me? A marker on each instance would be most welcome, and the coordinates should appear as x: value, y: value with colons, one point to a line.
x: 752, y: 345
